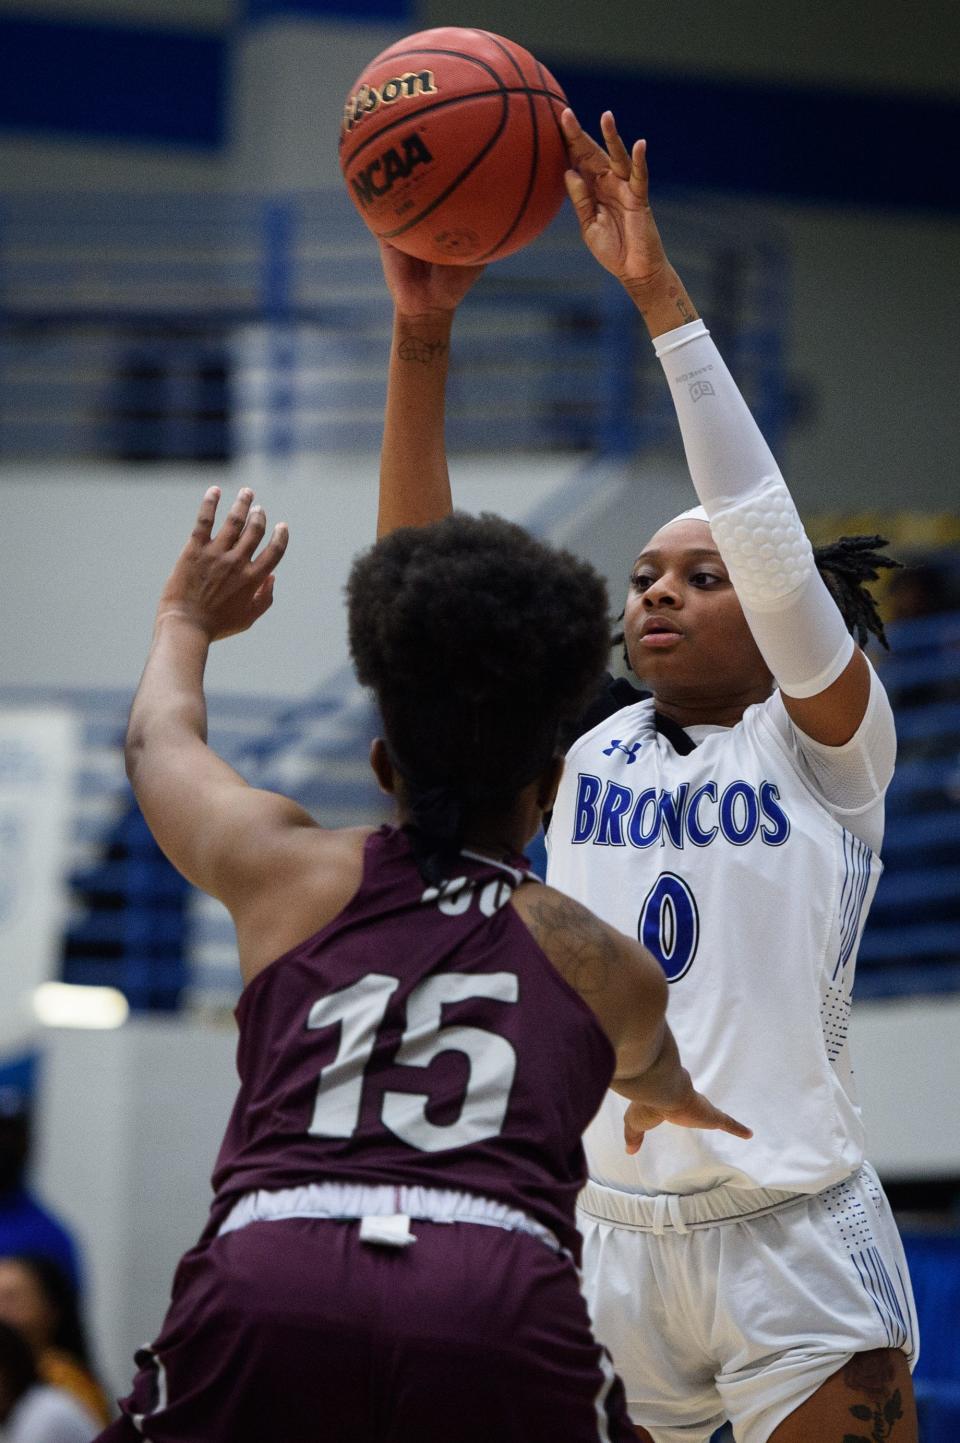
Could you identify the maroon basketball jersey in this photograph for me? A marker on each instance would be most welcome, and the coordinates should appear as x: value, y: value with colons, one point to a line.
x: 422, y: 1037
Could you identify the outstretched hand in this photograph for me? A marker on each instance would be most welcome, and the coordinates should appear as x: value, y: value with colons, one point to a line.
x: 608, y: 188
x: 695, y: 1111
x: 218, y: 583
x: 419, y: 287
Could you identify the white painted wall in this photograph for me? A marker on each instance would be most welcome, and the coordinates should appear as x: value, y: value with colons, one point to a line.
x: 87, y: 551
x: 291, y: 81
x: 128, y: 1127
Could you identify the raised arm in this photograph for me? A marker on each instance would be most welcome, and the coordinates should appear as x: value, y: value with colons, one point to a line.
x: 823, y: 678
x: 414, y: 481
x: 212, y: 826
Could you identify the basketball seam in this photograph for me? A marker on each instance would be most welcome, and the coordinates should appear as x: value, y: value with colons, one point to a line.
x: 438, y: 200
x: 411, y: 118
x: 531, y: 181
x: 553, y: 115
x: 431, y: 50
x: 532, y: 93
x: 509, y: 54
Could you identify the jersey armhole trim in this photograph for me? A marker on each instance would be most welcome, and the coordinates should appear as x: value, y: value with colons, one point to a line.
x: 832, y: 809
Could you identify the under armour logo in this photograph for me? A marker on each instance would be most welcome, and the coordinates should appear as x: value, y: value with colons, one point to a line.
x: 617, y: 745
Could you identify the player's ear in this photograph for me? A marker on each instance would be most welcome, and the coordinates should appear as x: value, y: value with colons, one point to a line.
x: 383, y: 768
x: 549, y: 784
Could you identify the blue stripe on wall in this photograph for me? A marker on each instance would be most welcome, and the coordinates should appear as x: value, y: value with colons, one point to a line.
x: 169, y: 87
x: 340, y: 9
x: 837, y: 147
x: 112, y: 81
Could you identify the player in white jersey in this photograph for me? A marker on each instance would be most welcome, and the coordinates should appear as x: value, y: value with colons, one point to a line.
x: 733, y: 821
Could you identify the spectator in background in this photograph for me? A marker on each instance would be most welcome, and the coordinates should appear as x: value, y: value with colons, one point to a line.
x: 26, y: 1226
x: 32, y: 1411
x: 38, y: 1299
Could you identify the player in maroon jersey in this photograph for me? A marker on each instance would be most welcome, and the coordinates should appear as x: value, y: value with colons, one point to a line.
x: 391, y: 1252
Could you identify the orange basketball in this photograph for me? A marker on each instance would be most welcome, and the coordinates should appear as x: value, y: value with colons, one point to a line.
x: 451, y: 146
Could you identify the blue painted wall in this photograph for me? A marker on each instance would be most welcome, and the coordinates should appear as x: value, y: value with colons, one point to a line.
x: 799, y: 143
x: 113, y: 81
x: 169, y: 87
x: 361, y: 10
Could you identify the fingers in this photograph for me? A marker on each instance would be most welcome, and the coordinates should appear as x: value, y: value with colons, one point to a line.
x: 203, y: 526
x: 712, y: 1118
x: 581, y: 198
x: 616, y: 150
x: 243, y: 530
x: 638, y: 1120
x: 584, y: 153
x: 252, y: 533
x: 235, y: 520
x: 639, y: 179
x: 263, y: 597
x: 633, y: 1140
x: 272, y: 554
x: 731, y: 1125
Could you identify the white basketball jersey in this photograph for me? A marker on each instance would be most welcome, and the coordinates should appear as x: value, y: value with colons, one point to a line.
x: 735, y: 875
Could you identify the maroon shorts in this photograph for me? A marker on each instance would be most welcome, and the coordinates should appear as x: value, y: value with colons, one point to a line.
x: 297, y: 1332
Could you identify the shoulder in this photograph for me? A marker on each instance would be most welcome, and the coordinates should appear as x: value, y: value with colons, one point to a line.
x: 584, y: 950
x: 615, y: 977
x: 311, y: 875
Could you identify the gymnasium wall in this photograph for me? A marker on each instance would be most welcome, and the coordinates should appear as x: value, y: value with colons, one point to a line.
x: 77, y: 599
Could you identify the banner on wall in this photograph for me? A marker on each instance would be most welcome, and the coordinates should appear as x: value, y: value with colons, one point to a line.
x: 38, y: 751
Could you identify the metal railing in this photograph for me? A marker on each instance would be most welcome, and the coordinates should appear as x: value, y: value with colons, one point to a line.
x: 208, y: 327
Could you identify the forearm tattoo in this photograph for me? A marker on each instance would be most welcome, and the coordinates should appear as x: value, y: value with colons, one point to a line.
x: 415, y: 348
x: 682, y: 302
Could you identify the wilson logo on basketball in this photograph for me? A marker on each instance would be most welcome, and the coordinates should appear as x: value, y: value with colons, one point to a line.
x: 402, y: 87
x: 394, y: 164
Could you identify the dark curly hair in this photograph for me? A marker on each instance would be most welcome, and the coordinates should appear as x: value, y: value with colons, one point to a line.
x: 480, y: 644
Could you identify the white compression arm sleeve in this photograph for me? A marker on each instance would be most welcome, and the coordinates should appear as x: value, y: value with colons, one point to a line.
x: 794, y: 619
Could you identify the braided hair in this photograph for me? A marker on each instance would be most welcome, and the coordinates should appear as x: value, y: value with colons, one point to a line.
x: 846, y: 565
x: 479, y: 643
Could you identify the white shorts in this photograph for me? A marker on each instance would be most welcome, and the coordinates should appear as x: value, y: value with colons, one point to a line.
x: 736, y: 1305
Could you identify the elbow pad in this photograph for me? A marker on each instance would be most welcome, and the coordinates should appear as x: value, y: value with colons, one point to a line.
x: 756, y: 526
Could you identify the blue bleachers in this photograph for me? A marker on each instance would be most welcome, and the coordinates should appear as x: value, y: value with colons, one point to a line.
x: 912, y: 939
x: 207, y: 327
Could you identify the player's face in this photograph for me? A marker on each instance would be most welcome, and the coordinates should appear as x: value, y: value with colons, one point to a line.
x: 22, y: 1303
x: 684, y: 628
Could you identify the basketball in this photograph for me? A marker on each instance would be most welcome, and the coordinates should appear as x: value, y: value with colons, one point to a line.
x: 451, y: 146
